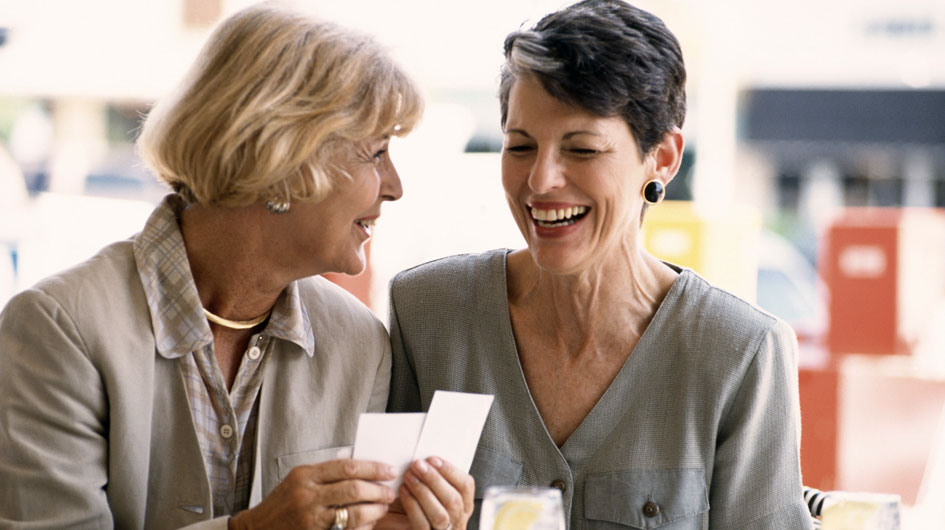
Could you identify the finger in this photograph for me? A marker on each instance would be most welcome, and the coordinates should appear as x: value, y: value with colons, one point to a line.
x: 396, y: 506
x: 393, y: 521
x: 418, y: 519
x: 352, y: 492
x: 434, y: 510
x: 449, y: 496
x: 348, y: 468
x: 459, y: 479
x: 363, y: 515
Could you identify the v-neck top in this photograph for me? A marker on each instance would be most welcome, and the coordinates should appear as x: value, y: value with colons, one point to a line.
x: 699, y: 429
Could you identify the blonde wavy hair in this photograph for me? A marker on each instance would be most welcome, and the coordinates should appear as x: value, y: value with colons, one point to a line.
x: 270, y: 94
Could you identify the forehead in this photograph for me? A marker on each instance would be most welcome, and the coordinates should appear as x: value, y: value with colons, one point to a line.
x: 344, y: 147
x: 533, y: 110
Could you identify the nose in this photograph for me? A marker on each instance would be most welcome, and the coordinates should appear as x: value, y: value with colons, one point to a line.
x: 391, y: 188
x: 546, y: 173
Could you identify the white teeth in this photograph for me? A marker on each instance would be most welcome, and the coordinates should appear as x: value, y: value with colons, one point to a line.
x: 560, y: 214
x: 366, y: 224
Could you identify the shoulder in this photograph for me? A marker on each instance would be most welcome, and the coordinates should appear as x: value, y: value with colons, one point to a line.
x: 332, y: 309
x: 106, y: 281
x: 717, y: 345
x: 711, y: 315
x: 451, y: 274
x: 700, y: 299
x: 451, y: 293
x: 447, y: 291
x: 97, y: 303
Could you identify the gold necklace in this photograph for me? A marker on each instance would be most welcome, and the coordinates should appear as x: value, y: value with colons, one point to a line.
x: 237, y: 324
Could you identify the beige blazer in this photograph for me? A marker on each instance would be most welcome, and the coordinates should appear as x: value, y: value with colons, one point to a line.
x: 95, y: 427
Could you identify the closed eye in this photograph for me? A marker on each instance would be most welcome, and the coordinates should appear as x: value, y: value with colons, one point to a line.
x: 519, y: 148
x: 584, y: 152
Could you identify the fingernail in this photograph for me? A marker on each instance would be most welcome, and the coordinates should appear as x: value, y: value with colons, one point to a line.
x: 422, y: 466
x: 435, y: 461
x: 411, y: 479
x: 390, y: 471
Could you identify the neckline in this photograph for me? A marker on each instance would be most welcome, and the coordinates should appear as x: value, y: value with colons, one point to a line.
x: 606, y: 400
x: 236, y: 324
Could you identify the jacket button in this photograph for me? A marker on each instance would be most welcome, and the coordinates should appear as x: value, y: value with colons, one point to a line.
x: 651, y: 509
x: 226, y: 431
x: 559, y: 484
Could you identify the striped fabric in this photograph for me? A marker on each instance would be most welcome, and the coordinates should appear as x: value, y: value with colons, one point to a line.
x: 229, y: 459
x: 815, y: 500
x: 224, y: 421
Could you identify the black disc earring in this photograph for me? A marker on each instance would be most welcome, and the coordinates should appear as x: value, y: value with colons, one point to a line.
x: 653, y: 191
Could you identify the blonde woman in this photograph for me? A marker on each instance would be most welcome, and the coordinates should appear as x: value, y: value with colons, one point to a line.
x: 201, y: 373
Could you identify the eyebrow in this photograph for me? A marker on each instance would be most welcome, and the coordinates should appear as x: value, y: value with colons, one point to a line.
x: 565, y: 137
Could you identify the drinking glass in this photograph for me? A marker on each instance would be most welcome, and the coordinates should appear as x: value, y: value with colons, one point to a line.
x: 521, y: 508
x: 846, y: 510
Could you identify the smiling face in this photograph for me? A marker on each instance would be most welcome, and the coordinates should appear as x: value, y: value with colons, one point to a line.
x: 572, y: 179
x: 329, y: 235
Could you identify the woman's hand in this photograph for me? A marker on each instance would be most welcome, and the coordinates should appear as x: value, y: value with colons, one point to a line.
x: 436, y: 495
x: 308, y: 496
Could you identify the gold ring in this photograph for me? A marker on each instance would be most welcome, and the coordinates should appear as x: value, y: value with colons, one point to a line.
x: 341, y: 518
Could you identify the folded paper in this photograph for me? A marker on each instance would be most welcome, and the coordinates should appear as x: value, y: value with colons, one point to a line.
x: 453, y: 426
x: 449, y: 430
x: 388, y: 438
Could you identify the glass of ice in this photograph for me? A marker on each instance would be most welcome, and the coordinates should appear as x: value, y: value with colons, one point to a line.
x: 521, y: 508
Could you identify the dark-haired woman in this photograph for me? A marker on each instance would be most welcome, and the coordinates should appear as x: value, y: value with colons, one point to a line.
x: 650, y: 398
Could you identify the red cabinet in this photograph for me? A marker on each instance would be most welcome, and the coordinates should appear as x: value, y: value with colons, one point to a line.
x: 885, y: 270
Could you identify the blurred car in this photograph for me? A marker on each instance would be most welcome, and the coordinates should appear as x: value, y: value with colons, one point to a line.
x: 121, y: 174
x: 790, y: 287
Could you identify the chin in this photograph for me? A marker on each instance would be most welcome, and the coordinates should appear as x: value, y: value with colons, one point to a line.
x: 354, y: 266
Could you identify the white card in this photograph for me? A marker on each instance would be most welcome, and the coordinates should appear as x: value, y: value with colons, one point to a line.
x: 452, y: 428
x: 388, y: 438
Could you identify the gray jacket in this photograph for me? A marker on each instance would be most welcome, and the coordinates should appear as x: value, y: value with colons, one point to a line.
x: 700, y: 429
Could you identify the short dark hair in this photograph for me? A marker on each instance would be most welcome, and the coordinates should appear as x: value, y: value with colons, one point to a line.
x: 608, y: 57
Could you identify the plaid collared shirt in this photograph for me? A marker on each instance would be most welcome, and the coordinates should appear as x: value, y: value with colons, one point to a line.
x: 224, y: 421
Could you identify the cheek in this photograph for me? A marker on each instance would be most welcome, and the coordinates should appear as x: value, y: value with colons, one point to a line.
x: 364, y: 192
x: 512, y: 175
x: 506, y: 181
x: 370, y: 193
x: 620, y: 203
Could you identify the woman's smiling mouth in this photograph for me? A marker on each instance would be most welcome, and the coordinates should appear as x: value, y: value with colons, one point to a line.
x: 552, y: 218
x: 366, y: 224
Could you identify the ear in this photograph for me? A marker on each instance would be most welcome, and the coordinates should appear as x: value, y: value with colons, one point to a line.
x: 667, y: 156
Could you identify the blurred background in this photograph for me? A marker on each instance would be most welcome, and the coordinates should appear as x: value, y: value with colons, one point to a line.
x: 813, y: 181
